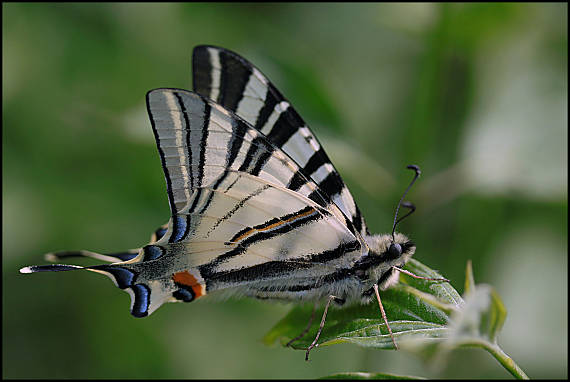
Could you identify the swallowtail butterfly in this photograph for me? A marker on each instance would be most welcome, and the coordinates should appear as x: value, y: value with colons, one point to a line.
x: 257, y: 208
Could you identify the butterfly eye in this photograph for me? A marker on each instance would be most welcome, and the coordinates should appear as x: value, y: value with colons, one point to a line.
x: 395, y: 250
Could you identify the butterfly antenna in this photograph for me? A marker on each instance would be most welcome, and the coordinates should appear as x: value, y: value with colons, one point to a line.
x: 405, y: 204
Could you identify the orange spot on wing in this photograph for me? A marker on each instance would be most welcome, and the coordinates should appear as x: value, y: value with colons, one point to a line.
x: 187, y: 279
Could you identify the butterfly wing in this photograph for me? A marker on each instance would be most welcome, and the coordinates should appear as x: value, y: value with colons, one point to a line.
x: 234, y: 223
x: 243, y: 236
x: 200, y: 143
x: 254, y: 234
x: 237, y: 85
x: 235, y: 226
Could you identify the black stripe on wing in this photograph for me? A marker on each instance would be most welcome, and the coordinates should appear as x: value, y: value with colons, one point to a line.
x: 275, y: 269
x: 183, y: 123
x: 239, y: 86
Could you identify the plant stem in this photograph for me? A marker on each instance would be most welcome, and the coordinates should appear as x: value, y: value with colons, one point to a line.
x: 505, y: 360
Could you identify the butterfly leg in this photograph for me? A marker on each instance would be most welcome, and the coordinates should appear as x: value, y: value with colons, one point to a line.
x: 419, y: 277
x: 306, y: 329
x: 314, y: 343
x: 384, y: 316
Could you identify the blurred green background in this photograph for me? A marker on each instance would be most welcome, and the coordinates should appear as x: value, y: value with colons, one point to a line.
x: 476, y: 94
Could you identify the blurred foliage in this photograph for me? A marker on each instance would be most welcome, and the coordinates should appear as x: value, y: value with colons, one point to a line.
x: 361, y: 375
x: 476, y: 94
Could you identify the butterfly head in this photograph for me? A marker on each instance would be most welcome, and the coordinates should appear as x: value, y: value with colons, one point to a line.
x: 385, y: 251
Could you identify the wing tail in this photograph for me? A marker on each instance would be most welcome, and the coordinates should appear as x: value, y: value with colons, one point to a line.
x: 123, y: 275
x: 109, y: 257
x: 147, y: 289
x: 50, y: 268
x: 119, y: 273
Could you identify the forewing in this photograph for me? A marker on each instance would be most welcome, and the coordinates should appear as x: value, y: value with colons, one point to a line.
x: 237, y: 85
x: 201, y: 143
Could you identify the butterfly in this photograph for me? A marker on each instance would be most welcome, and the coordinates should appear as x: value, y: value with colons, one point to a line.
x: 257, y: 207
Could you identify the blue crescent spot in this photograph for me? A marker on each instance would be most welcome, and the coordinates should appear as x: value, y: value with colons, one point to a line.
x: 152, y: 252
x: 180, y: 228
x: 142, y: 299
x: 123, y: 277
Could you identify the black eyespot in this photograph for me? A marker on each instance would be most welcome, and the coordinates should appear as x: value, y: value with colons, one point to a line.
x: 394, y: 251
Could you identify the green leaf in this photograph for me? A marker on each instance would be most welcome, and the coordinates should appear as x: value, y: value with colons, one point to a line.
x: 474, y: 323
x: 415, y: 309
x: 360, y: 375
x: 477, y: 324
x: 482, y: 317
x: 427, y: 317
